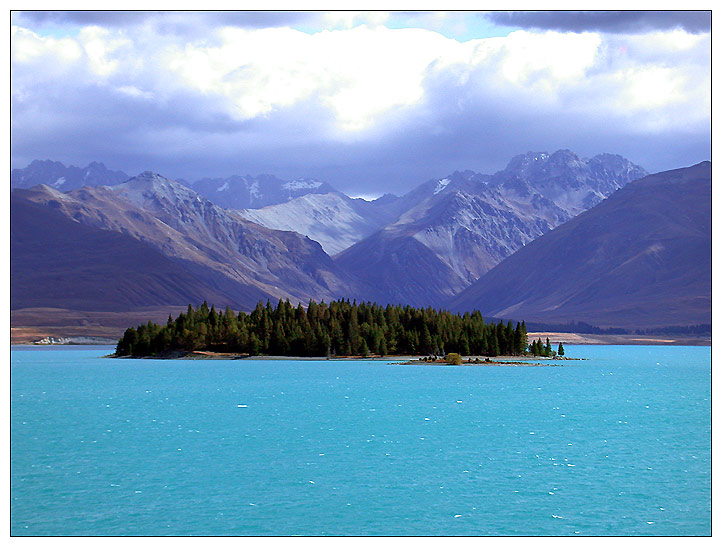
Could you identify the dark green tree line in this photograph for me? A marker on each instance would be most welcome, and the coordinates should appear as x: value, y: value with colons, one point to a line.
x: 338, y: 328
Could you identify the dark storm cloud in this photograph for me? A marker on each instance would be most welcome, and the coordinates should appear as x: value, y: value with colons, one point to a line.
x: 429, y: 140
x: 605, y: 21
x: 167, y: 22
x: 109, y: 18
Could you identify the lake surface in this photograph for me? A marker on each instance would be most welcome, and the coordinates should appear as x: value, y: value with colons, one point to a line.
x: 619, y: 444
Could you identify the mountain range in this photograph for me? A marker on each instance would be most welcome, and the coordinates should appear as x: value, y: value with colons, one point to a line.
x: 235, y: 192
x: 242, y: 239
x: 244, y: 261
x: 462, y: 225
x: 56, y: 175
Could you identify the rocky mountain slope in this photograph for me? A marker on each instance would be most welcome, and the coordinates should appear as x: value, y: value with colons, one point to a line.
x: 58, y: 262
x: 641, y: 258
x: 466, y: 223
x: 236, y: 256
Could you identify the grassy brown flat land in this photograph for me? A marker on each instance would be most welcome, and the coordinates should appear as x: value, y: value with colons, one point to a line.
x: 30, y: 324
x: 620, y: 339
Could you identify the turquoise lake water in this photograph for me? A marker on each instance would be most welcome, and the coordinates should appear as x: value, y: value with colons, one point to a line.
x: 619, y: 444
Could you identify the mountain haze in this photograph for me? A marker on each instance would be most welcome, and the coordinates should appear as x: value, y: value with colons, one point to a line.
x: 234, y: 192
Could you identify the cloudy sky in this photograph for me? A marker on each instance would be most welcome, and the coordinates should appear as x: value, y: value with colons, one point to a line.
x: 370, y: 102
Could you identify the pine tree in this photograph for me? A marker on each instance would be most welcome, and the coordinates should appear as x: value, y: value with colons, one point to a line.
x: 363, y: 348
x: 383, y: 350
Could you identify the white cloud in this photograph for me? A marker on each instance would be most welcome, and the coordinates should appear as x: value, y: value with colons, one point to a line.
x: 359, y: 73
x: 100, y: 45
x: 362, y: 73
x: 27, y: 47
x: 274, y: 89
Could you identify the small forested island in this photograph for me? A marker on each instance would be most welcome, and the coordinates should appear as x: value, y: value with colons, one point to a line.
x: 338, y: 329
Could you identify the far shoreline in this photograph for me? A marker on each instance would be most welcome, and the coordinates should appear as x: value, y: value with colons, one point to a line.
x: 33, y: 338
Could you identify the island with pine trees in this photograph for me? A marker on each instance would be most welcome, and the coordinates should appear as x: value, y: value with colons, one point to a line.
x: 339, y: 329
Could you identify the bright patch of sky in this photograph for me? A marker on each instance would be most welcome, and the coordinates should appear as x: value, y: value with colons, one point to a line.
x: 457, y: 25
x: 460, y: 26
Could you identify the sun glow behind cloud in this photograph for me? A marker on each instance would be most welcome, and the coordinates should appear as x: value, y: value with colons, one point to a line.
x: 361, y: 73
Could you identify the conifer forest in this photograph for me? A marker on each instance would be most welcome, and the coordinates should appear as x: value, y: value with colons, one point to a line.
x: 339, y: 328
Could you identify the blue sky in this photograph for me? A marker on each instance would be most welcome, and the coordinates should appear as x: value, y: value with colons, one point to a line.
x: 367, y: 101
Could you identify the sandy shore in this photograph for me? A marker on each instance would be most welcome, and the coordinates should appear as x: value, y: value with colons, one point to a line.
x: 473, y: 361
x: 213, y: 355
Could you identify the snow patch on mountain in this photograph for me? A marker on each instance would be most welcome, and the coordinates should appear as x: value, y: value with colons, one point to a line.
x: 301, y: 184
x: 328, y: 219
x: 253, y: 189
x: 58, y: 183
x: 443, y: 183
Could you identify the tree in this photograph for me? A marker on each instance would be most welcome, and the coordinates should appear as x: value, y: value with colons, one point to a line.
x: 363, y: 348
x: 254, y: 345
x: 493, y: 344
x: 382, y: 347
x: 560, y: 351
x: 464, y: 345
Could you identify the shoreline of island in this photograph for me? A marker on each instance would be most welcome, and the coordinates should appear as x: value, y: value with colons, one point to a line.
x: 477, y: 361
